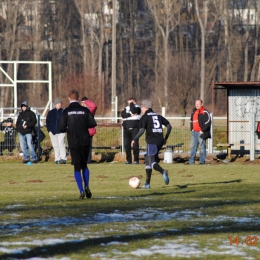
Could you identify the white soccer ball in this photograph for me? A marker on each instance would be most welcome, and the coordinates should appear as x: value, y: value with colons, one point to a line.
x: 134, y: 182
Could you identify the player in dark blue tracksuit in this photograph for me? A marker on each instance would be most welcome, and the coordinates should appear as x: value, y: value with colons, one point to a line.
x: 131, y: 119
x: 76, y: 120
x: 153, y: 124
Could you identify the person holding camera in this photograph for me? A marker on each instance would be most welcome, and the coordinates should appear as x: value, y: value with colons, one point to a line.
x: 9, y: 136
x: 131, y: 118
x: 25, y: 124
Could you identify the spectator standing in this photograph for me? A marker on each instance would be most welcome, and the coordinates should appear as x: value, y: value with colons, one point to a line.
x: 25, y: 124
x: 76, y: 120
x: 200, y: 123
x: 152, y: 123
x: 92, y: 131
x: 57, y: 138
x: 9, y: 136
x: 131, y: 119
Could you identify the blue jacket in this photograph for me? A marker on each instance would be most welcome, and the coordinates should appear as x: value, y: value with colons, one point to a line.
x: 53, y: 121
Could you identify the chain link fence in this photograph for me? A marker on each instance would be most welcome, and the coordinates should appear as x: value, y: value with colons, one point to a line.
x: 110, y: 135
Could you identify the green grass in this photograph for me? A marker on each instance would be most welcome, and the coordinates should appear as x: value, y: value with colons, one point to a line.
x: 199, y: 210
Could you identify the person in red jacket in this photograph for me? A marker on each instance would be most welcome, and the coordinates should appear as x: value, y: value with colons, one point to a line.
x: 92, y: 131
x: 200, y: 124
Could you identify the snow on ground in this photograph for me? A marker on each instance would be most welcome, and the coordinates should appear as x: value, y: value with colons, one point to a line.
x: 172, y: 248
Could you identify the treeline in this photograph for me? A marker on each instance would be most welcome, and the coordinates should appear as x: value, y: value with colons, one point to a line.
x: 166, y: 50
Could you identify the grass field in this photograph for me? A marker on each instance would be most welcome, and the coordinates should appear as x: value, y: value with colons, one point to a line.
x: 193, y: 217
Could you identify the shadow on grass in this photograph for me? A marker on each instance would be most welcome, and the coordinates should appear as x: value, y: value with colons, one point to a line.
x: 164, y: 193
x: 202, y: 183
x: 87, y: 244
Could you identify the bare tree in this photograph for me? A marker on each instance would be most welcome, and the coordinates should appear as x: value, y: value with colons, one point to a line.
x: 10, y: 43
x: 220, y: 9
x: 202, y: 14
x: 247, y: 41
x: 92, y: 42
x: 81, y: 7
x: 167, y: 16
x: 253, y: 76
x: 183, y: 78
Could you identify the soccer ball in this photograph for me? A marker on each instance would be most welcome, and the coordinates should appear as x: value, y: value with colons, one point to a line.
x: 134, y: 182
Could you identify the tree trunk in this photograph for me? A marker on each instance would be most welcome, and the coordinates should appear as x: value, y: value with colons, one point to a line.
x: 202, y: 68
x: 246, y: 42
x: 253, y: 76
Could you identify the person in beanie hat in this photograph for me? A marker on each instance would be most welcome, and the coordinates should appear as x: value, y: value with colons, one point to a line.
x: 85, y: 102
x: 58, y: 139
x: 152, y: 123
x: 25, y: 124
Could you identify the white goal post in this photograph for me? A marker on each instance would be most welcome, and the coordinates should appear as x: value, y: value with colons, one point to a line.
x: 13, y: 81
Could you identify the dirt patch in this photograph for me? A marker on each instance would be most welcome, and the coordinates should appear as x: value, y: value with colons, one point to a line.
x: 35, y: 181
x: 102, y: 176
x: 111, y: 156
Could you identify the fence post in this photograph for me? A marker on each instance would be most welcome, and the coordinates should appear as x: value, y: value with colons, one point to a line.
x: 1, y: 114
x: 210, y: 140
x: 39, y: 125
x: 163, y: 111
x: 122, y: 131
x: 252, y: 136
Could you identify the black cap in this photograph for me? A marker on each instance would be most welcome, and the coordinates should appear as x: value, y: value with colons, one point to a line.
x: 84, y: 98
x: 9, y: 119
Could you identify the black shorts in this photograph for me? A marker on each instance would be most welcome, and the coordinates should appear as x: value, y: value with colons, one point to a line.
x: 79, y: 155
x: 152, y: 155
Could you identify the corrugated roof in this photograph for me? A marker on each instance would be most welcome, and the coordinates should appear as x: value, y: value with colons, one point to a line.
x: 235, y: 84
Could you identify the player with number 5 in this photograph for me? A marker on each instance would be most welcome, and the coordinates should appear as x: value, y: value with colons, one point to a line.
x: 153, y: 123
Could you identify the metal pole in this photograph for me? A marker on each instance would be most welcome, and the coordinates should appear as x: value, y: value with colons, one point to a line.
x: 50, y: 84
x: 163, y: 111
x: 15, y: 87
x: 122, y: 132
x: 210, y: 140
x: 252, y: 136
x: 39, y: 125
x: 116, y: 109
x: 113, y: 83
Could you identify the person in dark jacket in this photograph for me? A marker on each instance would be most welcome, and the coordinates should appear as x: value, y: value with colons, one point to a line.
x: 131, y: 119
x: 200, y: 123
x: 24, y: 125
x: 58, y: 139
x: 76, y: 120
x: 9, y: 136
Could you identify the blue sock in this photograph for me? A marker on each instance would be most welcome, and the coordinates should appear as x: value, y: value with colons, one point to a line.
x: 77, y: 176
x: 86, y: 176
